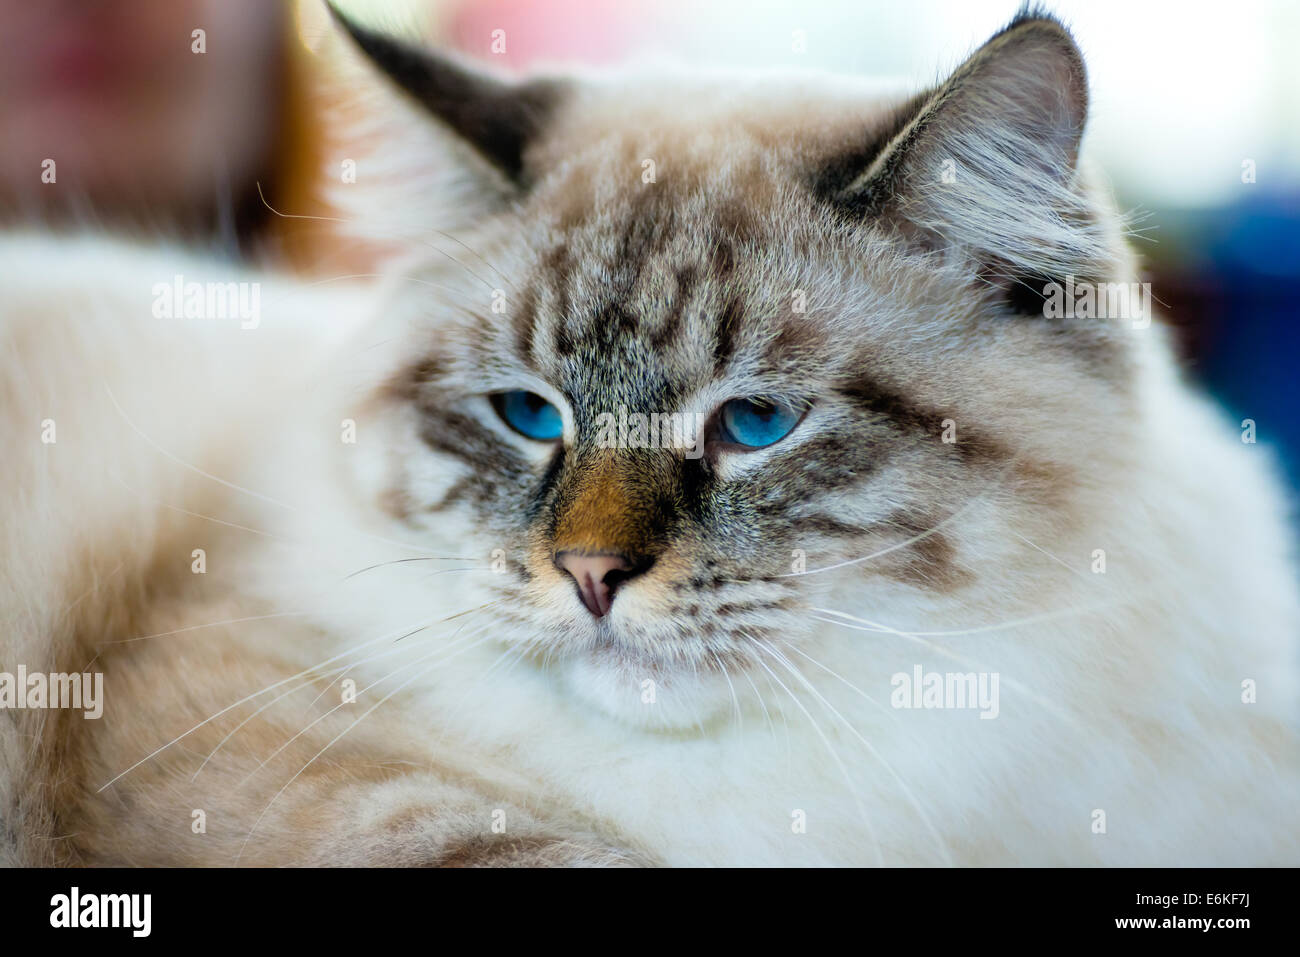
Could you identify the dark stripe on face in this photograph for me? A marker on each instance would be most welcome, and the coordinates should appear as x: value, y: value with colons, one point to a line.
x: 464, y: 438
x: 822, y: 524
x: 696, y: 483
x: 555, y: 273
x: 724, y: 344
x: 405, y: 385
x: 735, y: 221
x: 797, y: 338
x: 651, y: 224
x: 686, y: 280
x: 457, y: 493
x: 546, y: 487
x: 615, y: 321
x: 841, y: 462
x: 1090, y: 342
x: 722, y: 258
x: 929, y: 561
x: 918, y: 420
x: 525, y: 320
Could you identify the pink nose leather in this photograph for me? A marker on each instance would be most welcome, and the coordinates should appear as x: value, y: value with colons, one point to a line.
x: 591, y: 572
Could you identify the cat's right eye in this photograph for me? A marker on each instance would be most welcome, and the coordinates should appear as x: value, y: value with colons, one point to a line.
x: 529, y: 414
x: 757, y: 423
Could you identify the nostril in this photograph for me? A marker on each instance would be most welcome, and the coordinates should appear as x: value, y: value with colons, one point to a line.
x: 617, y: 576
x: 597, y: 576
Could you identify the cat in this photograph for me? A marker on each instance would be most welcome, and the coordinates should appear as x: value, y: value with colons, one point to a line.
x: 922, y: 573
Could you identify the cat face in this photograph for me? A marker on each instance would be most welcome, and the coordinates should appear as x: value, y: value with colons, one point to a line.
x: 695, y: 371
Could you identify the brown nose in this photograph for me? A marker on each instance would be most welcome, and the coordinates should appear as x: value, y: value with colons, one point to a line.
x: 597, y: 576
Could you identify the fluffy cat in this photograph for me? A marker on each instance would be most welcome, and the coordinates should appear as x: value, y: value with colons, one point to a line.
x: 348, y: 611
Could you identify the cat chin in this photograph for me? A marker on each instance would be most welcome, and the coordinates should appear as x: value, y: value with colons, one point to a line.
x: 646, y: 698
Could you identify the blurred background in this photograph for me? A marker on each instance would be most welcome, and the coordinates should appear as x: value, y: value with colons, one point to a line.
x: 1195, y: 118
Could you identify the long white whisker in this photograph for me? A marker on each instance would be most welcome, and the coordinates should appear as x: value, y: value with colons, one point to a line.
x: 1042, y: 702
x: 735, y: 699
x: 252, y: 697
x: 846, y: 681
x: 980, y: 630
x: 437, y: 232
x: 310, y: 681
x: 848, y: 778
x: 210, y: 624
x: 1058, y: 561
x: 259, y: 710
x: 193, y: 468
x: 761, y: 703
x: 239, y: 488
x: 332, y: 742
x: 916, y: 805
x: 970, y: 503
x: 402, y: 561
x: 437, y: 651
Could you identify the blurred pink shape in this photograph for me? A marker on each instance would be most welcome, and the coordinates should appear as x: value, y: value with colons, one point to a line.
x: 583, y: 31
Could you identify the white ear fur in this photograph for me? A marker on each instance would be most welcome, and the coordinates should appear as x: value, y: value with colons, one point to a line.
x: 989, y: 163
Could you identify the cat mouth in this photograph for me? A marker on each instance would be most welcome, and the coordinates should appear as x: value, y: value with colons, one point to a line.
x: 659, y: 650
x: 611, y: 637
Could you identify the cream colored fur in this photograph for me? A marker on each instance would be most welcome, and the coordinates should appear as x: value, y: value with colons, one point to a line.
x: 1120, y: 692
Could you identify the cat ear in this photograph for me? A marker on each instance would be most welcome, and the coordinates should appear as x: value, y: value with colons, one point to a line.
x: 988, y: 161
x: 497, y: 119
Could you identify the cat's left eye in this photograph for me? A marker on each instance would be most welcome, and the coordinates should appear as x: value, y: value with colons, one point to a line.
x: 529, y: 414
x: 755, y: 423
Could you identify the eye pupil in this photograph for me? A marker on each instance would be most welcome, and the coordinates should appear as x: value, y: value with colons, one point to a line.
x: 529, y: 414
x: 755, y: 423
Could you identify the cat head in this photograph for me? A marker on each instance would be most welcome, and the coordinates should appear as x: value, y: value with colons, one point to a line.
x: 705, y: 354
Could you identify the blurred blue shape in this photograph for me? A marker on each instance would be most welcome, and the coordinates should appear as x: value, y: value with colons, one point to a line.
x: 1250, y: 358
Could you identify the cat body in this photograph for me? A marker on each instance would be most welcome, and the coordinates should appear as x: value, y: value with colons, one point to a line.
x: 325, y: 575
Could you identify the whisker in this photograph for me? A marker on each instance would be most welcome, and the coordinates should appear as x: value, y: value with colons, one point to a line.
x: 880, y: 858
x: 401, y: 561
x: 348, y: 222
x: 488, y: 604
x: 231, y: 485
x: 982, y: 629
x: 322, y: 717
x: 1042, y: 702
x: 846, y: 681
x: 761, y: 703
x: 1058, y: 561
x: 210, y: 624
x: 193, y: 468
x: 254, y: 696
x: 735, y: 699
x: 282, y: 695
x: 331, y: 743
x: 907, y: 791
x: 971, y: 502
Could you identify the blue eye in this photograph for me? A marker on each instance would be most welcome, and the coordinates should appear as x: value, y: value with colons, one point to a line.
x: 529, y: 414
x: 756, y: 423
